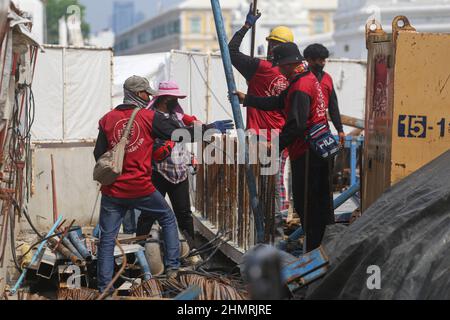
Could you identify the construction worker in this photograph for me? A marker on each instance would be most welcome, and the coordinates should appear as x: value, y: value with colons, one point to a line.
x: 264, y: 80
x: 304, y: 104
x: 134, y: 189
x: 316, y: 55
x: 170, y: 175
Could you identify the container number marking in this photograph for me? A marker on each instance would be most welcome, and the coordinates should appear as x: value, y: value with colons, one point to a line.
x: 412, y: 126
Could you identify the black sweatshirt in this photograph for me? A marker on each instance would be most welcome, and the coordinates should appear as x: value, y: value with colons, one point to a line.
x: 246, y: 65
x: 297, y: 118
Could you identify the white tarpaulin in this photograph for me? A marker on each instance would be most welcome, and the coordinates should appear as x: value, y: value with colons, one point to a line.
x: 151, y: 66
x: 72, y: 89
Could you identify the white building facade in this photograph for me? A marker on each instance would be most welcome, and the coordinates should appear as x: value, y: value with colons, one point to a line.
x: 307, y: 19
x: 352, y: 16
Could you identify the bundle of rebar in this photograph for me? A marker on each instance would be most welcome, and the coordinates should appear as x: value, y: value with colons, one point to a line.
x: 82, y: 294
x: 222, y: 197
x: 211, y: 288
x: 148, y: 289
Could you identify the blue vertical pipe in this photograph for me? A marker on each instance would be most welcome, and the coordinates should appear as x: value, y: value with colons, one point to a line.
x: 35, y: 257
x: 353, y: 151
x: 140, y: 255
x: 251, y: 181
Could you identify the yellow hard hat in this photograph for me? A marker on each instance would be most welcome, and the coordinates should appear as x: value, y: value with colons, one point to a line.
x: 281, y: 34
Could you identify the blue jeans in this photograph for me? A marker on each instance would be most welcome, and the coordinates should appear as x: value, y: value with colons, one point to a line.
x: 130, y: 221
x: 112, y: 213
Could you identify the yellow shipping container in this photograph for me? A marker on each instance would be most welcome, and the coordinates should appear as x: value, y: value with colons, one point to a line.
x: 408, y: 104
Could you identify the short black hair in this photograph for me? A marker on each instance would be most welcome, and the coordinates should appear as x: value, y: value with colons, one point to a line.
x: 316, y: 51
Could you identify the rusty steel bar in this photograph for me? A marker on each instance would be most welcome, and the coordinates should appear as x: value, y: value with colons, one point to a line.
x: 65, y: 252
x: 55, y: 204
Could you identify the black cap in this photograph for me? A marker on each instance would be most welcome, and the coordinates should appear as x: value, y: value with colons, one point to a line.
x: 286, y: 53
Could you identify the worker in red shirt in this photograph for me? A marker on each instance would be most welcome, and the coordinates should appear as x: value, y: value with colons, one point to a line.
x: 134, y: 188
x: 305, y: 106
x: 264, y: 80
x: 316, y: 55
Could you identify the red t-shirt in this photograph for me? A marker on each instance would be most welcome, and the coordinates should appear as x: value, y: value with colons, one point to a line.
x: 318, y: 109
x: 267, y: 82
x: 135, y: 181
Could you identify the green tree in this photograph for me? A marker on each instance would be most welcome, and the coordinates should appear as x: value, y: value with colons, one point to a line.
x: 55, y: 10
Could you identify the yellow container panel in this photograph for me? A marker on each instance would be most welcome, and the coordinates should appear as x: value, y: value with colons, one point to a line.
x: 421, y: 127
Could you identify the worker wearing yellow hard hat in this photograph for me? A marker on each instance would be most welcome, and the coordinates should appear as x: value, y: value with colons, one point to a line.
x: 265, y: 80
x: 276, y: 37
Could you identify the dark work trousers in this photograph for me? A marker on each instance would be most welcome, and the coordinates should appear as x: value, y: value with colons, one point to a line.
x: 319, y: 200
x: 181, y: 204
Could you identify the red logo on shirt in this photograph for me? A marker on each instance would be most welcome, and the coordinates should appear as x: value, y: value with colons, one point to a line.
x: 135, y: 140
x: 277, y: 86
x: 321, y: 107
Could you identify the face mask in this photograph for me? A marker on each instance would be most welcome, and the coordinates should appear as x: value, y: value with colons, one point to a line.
x: 147, y: 98
x: 318, y: 68
x: 172, y: 104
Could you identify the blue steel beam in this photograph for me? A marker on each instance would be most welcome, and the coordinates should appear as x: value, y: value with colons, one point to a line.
x: 236, y: 107
x: 35, y: 257
x: 307, y: 264
x: 339, y: 201
x: 308, y: 279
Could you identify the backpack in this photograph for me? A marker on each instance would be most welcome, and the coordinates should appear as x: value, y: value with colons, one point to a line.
x: 110, y: 165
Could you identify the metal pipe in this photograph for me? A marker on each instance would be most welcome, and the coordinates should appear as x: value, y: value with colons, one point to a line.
x: 66, y: 252
x: 226, y: 59
x: 35, y: 257
x: 351, y: 121
x: 353, y: 154
x: 142, y: 260
x: 255, y: 12
x: 66, y: 242
x: 78, y: 244
x: 339, y: 201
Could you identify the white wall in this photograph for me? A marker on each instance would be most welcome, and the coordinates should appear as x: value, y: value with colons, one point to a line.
x: 76, y: 190
x: 72, y: 90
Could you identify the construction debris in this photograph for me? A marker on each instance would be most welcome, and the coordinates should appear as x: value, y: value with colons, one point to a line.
x: 84, y: 294
x: 211, y: 288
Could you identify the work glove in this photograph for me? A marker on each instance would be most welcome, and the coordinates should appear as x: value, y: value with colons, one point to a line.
x: 251, y: 17
x: 162, y: 149
x: 222, y: 125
